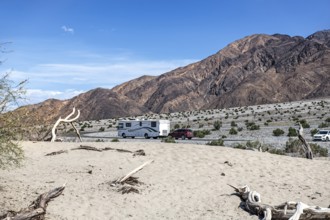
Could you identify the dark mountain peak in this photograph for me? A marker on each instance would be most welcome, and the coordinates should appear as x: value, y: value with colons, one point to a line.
x: 322, y: 37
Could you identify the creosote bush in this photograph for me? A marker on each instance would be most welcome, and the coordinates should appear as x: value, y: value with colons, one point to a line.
x: 294, y: 147
x: 168, y: 139
x: 232, y: 131
x: 201, y: 133
x: 278, y: 132
x: 217, y: 124
x: 292, y: 132
x: 218, y: 142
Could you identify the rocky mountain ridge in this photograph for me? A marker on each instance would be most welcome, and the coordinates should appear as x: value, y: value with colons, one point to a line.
x: 257, y: 69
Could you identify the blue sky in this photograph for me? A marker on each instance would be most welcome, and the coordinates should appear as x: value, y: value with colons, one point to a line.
x: 65, y: 47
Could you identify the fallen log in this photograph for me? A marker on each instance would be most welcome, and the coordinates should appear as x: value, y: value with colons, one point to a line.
x: 37, y: 209
x: 285, y: 211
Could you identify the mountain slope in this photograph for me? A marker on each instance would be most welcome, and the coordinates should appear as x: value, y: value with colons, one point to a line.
x: 257, y: 69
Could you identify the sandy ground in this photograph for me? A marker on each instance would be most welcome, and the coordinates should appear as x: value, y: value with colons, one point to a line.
x: 185, y: 181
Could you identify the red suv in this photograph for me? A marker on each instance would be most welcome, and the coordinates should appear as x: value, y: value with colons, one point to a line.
x: 182, y: 133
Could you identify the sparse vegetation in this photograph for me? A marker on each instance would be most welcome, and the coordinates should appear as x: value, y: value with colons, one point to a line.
x: 168, y: 139
x: 201, y: 133
x: 115, y: 140
x: 252, y: 126
x: 218, y: 142
x: 11, y: 154
x: 217, y: 124
x: 232, y: 131
x: 278, y: 132
x: 292, y: 132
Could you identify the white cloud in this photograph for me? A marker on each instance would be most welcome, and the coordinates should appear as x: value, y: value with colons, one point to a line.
x: 38, y: 95
x: 67, y: 29
x: 63, y: 81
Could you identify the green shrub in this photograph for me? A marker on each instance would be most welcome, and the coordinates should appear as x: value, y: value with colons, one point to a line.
x: 115, y: 140
x: 296, y: 147
x: 176, y: 126
x: 218, y: 142
x: 101, y: 129
x: 304, y: 123
x: 278, y: 132
x: 217, y: 124
x: 168, y: 139
x: 319, y: 151
x: 276, y: 151
x: 201, y: 133
x: 327, y: 120
x: 252, y: 126
x: 233, y: 124
x: 232, y: 131
x: 240, y: 129
x: 323, y: 125
x: 314, y: 131
x: 292, y: 132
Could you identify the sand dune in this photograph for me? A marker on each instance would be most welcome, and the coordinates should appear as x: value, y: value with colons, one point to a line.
x: 184, y: 181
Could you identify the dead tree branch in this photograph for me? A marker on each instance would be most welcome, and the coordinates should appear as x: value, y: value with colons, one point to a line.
x: 37, y: 209
x: 307, y: 148
x: 67, y: 119
x: 287, y: 210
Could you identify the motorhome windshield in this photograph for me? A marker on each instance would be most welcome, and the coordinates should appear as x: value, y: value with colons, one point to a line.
x: 322, y: 132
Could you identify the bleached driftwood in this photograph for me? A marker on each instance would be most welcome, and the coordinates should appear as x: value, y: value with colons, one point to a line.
x: 285, y: 211
x: 307, y: 148
x: 67, y: 119
x: 37, y: 209
x: 121, y: 180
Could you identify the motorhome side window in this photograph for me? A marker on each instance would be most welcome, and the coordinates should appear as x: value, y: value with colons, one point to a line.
x: 128, y: 125
x: 153, y: 124
x: 121, y: 125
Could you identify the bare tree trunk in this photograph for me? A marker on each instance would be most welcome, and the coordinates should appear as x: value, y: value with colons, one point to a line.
x: 307, y: 148
x: 68, y: 120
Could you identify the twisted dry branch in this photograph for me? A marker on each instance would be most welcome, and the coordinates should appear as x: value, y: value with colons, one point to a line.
x: 287, y: 210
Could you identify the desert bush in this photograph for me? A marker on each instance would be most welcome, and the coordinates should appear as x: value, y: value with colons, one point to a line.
x: 304, y: 123
x: 327, y: 120
x: 176, y: 126
x: 240, y: 129
x: 115, y: 140
x: 323, y: 125
x: 319, y: 151
x: 252, y: 126
x: 11, y: 154
x: 232, y: 131
x: 233, y: 124
x: 101, y: 129
x: 278, y: 132
x: 314, y: 131
x: 294, y: 146
x: 217, y: 124
x: 168, y: 139
x: 201, y: 133
x: 292, y: 132
x: 218, y: 142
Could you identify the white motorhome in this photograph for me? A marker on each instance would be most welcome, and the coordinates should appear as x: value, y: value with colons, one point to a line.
x: 143, y: 128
